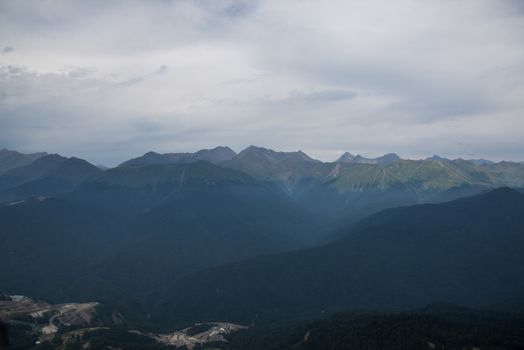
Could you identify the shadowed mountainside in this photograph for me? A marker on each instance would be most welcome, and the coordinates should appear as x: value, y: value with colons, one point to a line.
x: 468, y: 251
x: 50, y: 175
x: 126, y: 231
x: 215, y: 156
x: 12, y: 159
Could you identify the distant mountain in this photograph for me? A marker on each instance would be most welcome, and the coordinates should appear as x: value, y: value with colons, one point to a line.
x: 436, y: 157
x: 354, y: 184
x: 480, y: 161
x: 300, y: 174
x: 259, y: 160
x: 286, y: 168
x: 12, y: 159
x: 420, y: 175
x: 469, y: 252
x: 71, y: 231
x: 352, y: 188
x: 358, y: 159
x: 345, y: 158
x: 352, y: 191
x: 126, y: 231
x: 473, y: 161
x: 176, y: 175
x: 215, y: 156
x: 46, y: 176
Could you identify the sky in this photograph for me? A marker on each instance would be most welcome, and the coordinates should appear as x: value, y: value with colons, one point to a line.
x: 110, y: 80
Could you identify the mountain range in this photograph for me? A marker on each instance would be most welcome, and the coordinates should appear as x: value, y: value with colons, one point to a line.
x: 295, y: 172
x: 343, y: 192
x: 261, y: 236
x: 215, y: 156
x: 12, y: 159
x: 358, y: 159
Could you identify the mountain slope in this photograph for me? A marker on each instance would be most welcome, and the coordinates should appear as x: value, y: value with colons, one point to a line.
x: 199, y: 228
x: 354, y: 187
x: 47, y: 244
x: 215, y: 156
x: 47, y: 176
x: 299, y: 173
x: 124, y: 232
x: 194, y: 215
x: 386, y: 159
x: 267, y: 164
x: 351, y: 191
x: 469, y: 252
x: 12, y: 159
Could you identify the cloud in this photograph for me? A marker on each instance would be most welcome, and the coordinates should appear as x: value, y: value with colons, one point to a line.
x: 139, y: 79
x: 7, y: 49
x: 107, y: 80
x: 162, y: 69
x: 132, y: 81
x: 319, y: 96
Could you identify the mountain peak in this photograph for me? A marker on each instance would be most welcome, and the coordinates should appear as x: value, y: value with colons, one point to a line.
x: 252, y: 148
x: 274, y: 155
x: 151, y: 153
x: 13, y: 159
x: 436, y: 157
x: 391, y: 156
x: 215, y: 156
x: 386, y: 159
x: 306, y: 157
x: 50, y: 158
x: 345, y: 158
x: 223, y: 148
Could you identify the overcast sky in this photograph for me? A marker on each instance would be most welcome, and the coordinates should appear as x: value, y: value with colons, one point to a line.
x: 110, y: 80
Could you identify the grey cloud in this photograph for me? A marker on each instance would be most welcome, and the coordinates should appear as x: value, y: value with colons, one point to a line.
x: 7, y: 49
x: 247, y: 80
x: 136, y: 26
x: 239, y: 8
x: 162, y: 69
x: 22, y: 86
x: 132, y: 81
x: 108, y: 79
x: 319, y: 96
x: 140, y: 79
x: 293, y: 97
x: 409, y: 59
